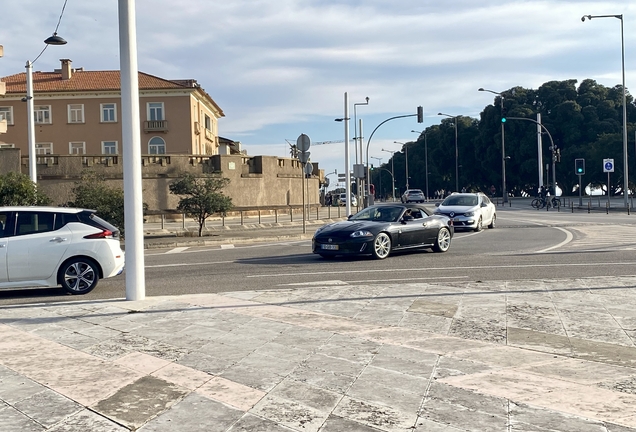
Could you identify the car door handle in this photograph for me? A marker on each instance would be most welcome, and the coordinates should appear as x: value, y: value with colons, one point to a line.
x: 2, y: 245
x: 58, y: 240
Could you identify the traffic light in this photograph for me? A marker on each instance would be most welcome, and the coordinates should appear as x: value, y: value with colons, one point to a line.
x: 371, y: 167
x: 579, y: 166
x: 420, y: 114
x: 503, y: 119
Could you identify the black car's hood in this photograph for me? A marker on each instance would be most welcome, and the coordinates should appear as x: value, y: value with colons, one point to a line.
x: 350, y: 226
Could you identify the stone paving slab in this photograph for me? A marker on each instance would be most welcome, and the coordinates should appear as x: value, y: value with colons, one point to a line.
x: 504, y: 356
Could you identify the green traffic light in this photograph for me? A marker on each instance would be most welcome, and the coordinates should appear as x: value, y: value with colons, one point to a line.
x: 503, y: 119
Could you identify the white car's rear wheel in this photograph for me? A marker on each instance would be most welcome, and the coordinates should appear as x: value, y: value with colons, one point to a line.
x: 78, y: 275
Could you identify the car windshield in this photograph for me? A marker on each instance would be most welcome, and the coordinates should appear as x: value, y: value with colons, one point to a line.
x: 379, y: 214
x: 460, y: 200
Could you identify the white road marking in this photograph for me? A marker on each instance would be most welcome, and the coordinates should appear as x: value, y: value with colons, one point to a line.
x: 227, y: 246
x: 338, y: 282
x: 177, y: 250
x: 189, y: 264
x: 568, y: 239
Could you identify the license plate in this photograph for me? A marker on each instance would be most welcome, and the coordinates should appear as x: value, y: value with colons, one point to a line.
x: 329, y: 247
x: 456, y: 220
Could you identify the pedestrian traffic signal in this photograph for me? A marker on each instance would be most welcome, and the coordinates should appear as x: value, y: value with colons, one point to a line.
x: 420, y: 114
x: 579, y: 166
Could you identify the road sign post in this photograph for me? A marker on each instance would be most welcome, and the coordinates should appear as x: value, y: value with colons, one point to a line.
x: 302, y: 145
x: 608, y: 167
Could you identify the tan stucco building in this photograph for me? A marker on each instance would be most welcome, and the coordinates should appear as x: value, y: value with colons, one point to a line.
x: 79, y: 112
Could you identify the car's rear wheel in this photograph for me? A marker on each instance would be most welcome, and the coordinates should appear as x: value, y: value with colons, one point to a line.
x: 493, y: 221
x: 442, y: 244
x: 381, y: 246
x: 78, y: 275
x: 480, y: 225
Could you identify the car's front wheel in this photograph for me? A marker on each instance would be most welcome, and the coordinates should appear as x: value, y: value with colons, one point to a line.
x: 381, y: 246
x: 443, y: 241
x: 480, y: 225
x: 493, y: 221
x: 78, y: 275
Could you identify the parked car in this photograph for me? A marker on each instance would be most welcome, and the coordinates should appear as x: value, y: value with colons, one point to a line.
x: 42, y: 247
x: 342, y: 200
x: 468, y: 210
x: 381, y: 229
x: 413, y: 195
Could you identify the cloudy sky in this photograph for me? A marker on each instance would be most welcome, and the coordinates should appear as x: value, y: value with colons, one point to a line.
x: 279, y: 68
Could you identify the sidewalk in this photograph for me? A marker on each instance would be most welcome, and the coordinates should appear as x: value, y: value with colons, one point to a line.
x: 498, y: 356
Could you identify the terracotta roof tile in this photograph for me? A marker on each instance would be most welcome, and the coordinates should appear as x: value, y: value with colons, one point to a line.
x: 87, y: 81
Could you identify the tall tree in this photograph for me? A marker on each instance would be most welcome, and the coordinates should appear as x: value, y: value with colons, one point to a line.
x: 17, y: 189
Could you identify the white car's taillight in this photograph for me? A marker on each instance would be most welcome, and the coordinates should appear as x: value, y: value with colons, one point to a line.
x: 107, y: 234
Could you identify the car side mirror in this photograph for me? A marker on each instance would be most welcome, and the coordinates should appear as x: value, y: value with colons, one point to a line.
x: 484, y: 204
x: 436, y: 204
x: 349, y: 217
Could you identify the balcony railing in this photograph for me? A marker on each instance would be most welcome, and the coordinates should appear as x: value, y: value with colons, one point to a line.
x: 156, y: 126
x: 209, y: 135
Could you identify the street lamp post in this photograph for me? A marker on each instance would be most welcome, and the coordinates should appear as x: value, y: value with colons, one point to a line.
x: 346, y: 119
x: 456, y: 151
x: 392, y: 171
x: 52, y: 40
x: 380, y: 186
x: 406, y: 160
x: 625, y: 166
x: 503, y: 146
x: 359, y: 137
x: 425, y: 158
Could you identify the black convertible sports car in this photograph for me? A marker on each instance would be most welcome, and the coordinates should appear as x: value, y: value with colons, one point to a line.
x: 380, y: 229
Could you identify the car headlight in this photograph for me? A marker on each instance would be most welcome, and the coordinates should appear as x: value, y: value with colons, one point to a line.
x: 361, y: 233
x: 469, y: 214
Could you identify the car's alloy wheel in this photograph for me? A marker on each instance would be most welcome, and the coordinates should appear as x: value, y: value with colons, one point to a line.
x: 442, y: 244
x: 381, y: 246
x: 493, y: 221
x: 480, y: 225
x: 78, y: 276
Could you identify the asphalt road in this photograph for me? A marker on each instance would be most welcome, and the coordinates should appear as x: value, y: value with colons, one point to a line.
x: 526, y: 244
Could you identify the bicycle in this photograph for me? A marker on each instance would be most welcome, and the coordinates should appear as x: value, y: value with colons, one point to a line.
x: 538, y: 203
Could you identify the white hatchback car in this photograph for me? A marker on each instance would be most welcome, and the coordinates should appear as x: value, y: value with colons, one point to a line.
x: 468, y: 210
x: 42, y: 247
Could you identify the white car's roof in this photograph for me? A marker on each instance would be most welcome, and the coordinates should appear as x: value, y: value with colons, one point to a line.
x: 42, y: 209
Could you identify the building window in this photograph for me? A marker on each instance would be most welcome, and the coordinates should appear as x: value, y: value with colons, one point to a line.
x: 156, y: 145
x: 155, y: 111
x: 76, y: 113
x: 6, y: 113
x: 42, y: 114
x: 208, y: 122
x: 109, y: 147
x: 5, y: 145
x: 109, y: 113
x: 76, y: 148
x: 43, y: 149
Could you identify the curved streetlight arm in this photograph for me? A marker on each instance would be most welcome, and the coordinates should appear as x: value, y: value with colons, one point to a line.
x: 371, y: 136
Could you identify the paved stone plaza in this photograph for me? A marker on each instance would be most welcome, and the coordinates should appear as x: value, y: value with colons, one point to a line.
x: 497, y: 356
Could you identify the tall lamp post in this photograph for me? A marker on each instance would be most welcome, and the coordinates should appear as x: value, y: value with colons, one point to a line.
x: 456, y: 151
x: 503, y: 146
x: 379, y: 164
x: 425, y: 158
x: 625, y: 166
x: 346, y: 119
x: 406, y: 160
x: 359, y: 137
x: 52, y: 40
x: 392, y: 171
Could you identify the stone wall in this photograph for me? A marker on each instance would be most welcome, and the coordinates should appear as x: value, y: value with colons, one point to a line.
x: 257, y: 181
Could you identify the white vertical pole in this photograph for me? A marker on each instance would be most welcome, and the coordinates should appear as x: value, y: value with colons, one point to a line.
x: 540, y: 149
x: 131, y: 146
x: 346, y: 138
x: 31, y: 123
